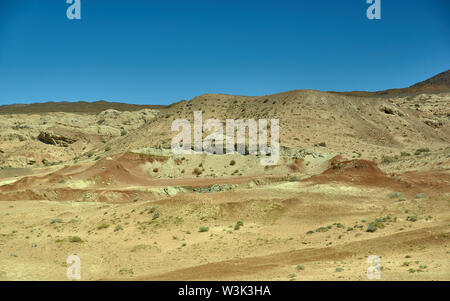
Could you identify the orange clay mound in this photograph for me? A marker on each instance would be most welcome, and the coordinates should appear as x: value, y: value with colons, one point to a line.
x: 358, y: 172
x: 119, y: 170
x: 366, y: 173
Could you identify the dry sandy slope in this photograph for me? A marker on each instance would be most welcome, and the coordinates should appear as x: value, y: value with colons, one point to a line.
x: 126, y: 241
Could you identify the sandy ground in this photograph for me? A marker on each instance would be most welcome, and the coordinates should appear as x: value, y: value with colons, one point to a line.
x: 160, y: 240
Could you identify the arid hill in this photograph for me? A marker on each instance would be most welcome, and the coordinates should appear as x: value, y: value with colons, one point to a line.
x: 436, y: 84
x: 73, y: 107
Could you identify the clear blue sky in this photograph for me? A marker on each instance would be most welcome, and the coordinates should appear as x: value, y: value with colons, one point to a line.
x: 162, y: 51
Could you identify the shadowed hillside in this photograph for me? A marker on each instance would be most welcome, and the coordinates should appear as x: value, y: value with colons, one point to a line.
x: 436, y: 84
x: 73, y: 107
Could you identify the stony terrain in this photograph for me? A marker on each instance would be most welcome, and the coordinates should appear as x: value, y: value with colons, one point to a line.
x: 360, y: 174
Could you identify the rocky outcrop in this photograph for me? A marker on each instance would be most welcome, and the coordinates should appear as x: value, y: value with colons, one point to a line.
x: 391, y: 110
x: 58, y: 136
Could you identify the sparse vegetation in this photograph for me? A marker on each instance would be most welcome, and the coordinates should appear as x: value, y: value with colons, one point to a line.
x: 379, y: 223
x: 412, y: 218
x: 421, y: 196
x: 103, y: 226
x: 75, y: 239
x: 421, y: 151
x: 197, y: 171
x: 372, y: 227
x: 395, y: 195
x: 388, y: 159
x: 322, y: 229
x: 203, y: 229
x: 238, y: 225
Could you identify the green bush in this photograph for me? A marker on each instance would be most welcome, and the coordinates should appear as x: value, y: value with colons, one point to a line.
x: 412, y: 218
x: 238, y: 225
x: 372, y: 227
x: 422, y: 150
x: 75, y: 239
x: 322, y: 229
x: 203, y: 229
x: 103, y: 226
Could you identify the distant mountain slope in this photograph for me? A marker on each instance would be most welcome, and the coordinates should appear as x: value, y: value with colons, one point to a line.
x: 442, y: 80
x: 73, y: 107
x: 435, y: 84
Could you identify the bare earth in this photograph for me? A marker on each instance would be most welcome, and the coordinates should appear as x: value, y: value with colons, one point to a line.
x: 358, y: 176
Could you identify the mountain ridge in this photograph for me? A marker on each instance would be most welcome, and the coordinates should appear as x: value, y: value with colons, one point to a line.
x: 438, y: 83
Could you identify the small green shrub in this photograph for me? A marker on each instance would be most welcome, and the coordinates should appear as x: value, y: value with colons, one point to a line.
x: 322, y: 229
x: 422, y: 150
x: 203, y: 229
x: 238, y: 225
x: 412, y: 218
x: 372, y: 227
x: 103, y: 226
x: 75, y: 239
x: 387, y: 159
x: 395, y: 195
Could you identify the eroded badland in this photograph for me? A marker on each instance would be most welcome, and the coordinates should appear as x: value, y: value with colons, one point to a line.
x: 359, y: 174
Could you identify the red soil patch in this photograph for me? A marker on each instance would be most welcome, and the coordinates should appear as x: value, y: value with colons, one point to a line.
x: 21, y: 184
x: 125, y: 169
x: 366, y: 173
x: 120, y: 170
x: 297, y: 165
x: 431, y: 181
x: 358, y: 172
